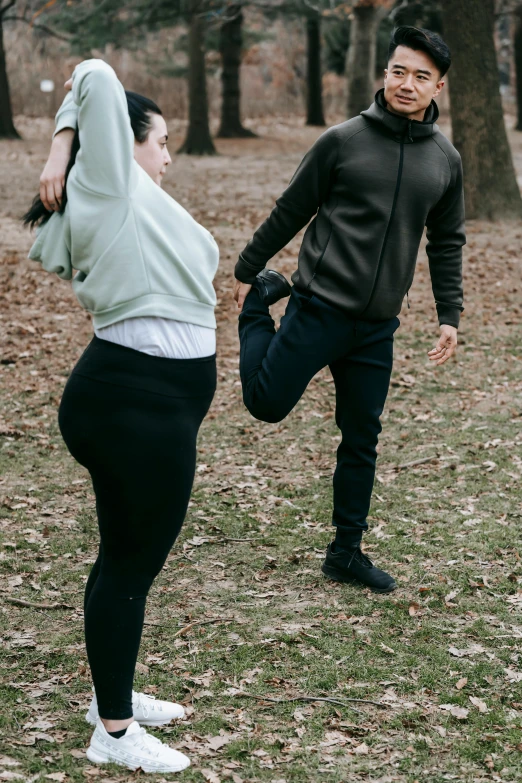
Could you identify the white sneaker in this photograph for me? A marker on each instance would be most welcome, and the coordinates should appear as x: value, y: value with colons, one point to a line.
x: 135, y: 749
x: 146, y: 710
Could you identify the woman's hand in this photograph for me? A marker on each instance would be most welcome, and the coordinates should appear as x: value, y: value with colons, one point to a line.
x: 52, y: 179
x: 68, y: 85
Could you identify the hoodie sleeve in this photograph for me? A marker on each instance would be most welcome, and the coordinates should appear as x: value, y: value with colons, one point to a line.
x: 50, y: 248
x: 294, y: 208
x: 446, y: 236
x: 104, y: 161
x: 67, y: 115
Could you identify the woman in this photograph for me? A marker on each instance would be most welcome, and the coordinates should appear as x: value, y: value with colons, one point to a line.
x: 131, y: 410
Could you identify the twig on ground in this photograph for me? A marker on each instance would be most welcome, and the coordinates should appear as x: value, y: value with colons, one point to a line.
x: 188, y: 627
x: 413, y: 464
x: 224, y: 540
x: 329, y: 700
x: 32, y: 605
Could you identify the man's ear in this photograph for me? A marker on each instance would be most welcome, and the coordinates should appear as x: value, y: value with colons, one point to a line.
x: 440, y: 85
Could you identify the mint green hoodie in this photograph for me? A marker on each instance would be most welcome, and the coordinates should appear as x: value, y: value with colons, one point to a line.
x: 130, y: 249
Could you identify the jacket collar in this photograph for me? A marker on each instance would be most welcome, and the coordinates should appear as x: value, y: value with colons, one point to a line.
x: 401, y: 128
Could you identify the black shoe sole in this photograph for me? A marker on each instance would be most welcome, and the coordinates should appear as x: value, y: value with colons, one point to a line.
x: 337, y: 575
x: 262, y: 288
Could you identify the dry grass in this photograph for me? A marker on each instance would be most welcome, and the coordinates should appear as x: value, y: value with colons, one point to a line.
x: 442, y: 655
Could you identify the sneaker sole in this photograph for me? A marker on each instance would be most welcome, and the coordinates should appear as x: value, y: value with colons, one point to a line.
x: 152, y: 723
x: 99, y: 758
x: 337, y: 576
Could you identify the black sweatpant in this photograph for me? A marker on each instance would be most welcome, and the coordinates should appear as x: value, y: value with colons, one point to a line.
x: 276, y: 368
x: 132, y: 420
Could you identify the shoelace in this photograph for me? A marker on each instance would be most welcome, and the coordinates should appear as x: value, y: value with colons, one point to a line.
x: 149, y: 743
x: 143, y: 700
x: 362, y: 558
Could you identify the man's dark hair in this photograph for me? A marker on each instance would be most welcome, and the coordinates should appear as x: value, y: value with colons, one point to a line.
x: 419, y: 39
x: 140, y: 111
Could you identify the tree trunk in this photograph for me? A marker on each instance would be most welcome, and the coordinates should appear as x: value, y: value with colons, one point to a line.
x: 198, y: 140
x: 360, y: 65
x: 518, y: 64
x: 479, y: 132
x: 230, y: 46
x: 314, y: 91
x: 7, y: 128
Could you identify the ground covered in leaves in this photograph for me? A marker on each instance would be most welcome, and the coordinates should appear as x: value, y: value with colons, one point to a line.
x: 424, y: 684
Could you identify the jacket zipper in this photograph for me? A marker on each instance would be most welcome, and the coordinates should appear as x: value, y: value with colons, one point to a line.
x: 392, y: 213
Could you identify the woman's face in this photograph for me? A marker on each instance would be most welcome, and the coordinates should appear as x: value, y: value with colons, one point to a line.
x: 152, y: 154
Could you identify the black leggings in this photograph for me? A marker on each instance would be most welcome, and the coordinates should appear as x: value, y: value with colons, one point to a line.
x: 132, y: 420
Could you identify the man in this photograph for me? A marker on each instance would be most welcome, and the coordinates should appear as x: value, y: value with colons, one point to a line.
x: 371, y: 185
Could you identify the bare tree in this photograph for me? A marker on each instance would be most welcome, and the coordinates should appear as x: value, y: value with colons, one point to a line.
x: 9, y: 12
x: 198, y: 140
x: 314, y: 92
x: 479, y: 132
x: 7, y: 128
x: 360, y: 66
x: 230, y: 47
x: 517, y: 45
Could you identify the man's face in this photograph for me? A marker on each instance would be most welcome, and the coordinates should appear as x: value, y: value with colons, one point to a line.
x: 410, y: 82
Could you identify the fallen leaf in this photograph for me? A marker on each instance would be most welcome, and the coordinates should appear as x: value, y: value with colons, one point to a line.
x: 7, y: 761
x: 362, y: 749
x: 387, y: 649
x: 210, y: 776
x: 217, y: 742
x: 458, y: 712
x: 58, y: 776
x: 513, y: 676
x: 481, y: 705
x: 473, y: 649
x: 461, y: 683
x: 448, y: 598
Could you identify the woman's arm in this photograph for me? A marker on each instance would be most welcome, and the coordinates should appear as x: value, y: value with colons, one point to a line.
x: 104, y: 161
x: 52, y: 178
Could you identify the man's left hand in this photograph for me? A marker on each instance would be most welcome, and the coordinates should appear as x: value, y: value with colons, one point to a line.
x: 446, y: 346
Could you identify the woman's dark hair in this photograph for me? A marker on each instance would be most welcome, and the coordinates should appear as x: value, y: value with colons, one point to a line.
x: 140, y: 109
x: 424, y: 40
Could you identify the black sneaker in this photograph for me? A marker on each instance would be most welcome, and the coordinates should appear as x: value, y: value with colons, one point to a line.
x: 354, y: 566
x: 272, y: 286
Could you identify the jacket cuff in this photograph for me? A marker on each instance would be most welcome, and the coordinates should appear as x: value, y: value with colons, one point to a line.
x: 449, y: 314
x: 244, y: 272
x: 68, y: 119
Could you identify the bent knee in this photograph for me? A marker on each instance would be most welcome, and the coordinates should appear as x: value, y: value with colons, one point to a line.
x: 265, y: 411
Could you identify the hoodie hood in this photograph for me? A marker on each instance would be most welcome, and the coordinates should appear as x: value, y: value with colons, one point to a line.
x: 400, y: 128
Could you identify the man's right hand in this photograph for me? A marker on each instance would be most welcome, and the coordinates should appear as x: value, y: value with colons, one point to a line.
x: 52, y: 179
x: 241, y: 291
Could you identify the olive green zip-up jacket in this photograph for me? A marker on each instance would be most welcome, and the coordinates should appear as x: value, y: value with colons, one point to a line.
x: 371, y: 185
